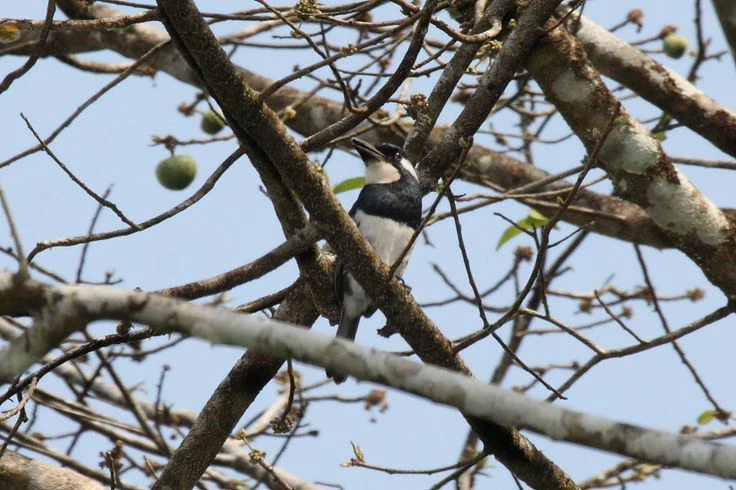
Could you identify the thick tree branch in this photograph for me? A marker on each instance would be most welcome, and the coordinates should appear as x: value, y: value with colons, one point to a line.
x: 490, y: 87
x: 231, y: 453
x: 248, y: 118
x: 231, y: 399
x: 417, y: 138
x: 223, y: 410
x: 726, y: 11
x: 612, y: 217
x: 18, y: 471
x: 281, y: 339
x: 296, y: 244
x: 428, y: 347
x: 657, y: 84
x: 635, y: 162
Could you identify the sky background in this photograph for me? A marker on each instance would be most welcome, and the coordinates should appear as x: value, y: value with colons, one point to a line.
x: 110, y: 144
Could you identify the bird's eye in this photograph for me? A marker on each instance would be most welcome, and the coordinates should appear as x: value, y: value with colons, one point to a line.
x: 397, y: 156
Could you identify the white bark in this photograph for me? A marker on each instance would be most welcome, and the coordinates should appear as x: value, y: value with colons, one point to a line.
x: 232, y: 453
x: 610, y: 216
x: 639, y: 169
x: 656, y: 83
x: 279, y: 339
x: 19, y: 472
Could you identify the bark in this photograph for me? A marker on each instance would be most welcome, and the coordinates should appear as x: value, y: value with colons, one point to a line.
x: 231, y: 453
x: 657, y: 84
x: 479, y: 400
x: 726, y: 11
x: 19, y: 472
x: 247, y: 118
x: 611, y: 216
x: 230, y: 400
x: 640, y: 170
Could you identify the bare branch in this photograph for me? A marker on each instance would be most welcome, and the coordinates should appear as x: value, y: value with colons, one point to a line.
x: 440, y: 385
x: 638, y: 167
x: 657, y: 84
x: 726, y: 11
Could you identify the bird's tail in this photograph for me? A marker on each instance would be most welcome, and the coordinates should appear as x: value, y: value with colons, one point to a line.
x: 346, y: 329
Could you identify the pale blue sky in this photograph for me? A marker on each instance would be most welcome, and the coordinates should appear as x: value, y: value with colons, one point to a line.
x: 110, y: 144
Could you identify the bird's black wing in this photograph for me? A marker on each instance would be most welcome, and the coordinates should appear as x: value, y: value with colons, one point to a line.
x: 340, y: 278
x: 341, y: 272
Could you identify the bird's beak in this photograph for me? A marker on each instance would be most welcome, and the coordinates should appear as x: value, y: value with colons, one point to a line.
x: 367, y: 151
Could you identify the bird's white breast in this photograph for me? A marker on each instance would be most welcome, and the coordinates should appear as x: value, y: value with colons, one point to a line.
x: 388, y: 237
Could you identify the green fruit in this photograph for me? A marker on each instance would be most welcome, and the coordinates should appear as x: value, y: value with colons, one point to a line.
x: 674, y: 45
x: 176, y: 172
x: 212, y: 122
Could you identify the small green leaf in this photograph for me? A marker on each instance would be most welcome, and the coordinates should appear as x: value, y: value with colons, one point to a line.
x: 349, y: 184
x: 507, y: 235
x: 660, y: 136
x: 537, y: 219
x: 512, y: 231
x: 534, y: 219
x: 705, y: 417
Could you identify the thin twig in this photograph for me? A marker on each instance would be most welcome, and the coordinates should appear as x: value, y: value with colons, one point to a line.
x: 431, y: 210
x: 462, y: 469
x: 21, y: 411
x: 292, y: 390
x: 430, y: 471
x: 101, y: 200
x: 91, y: 228
x: 133, y: 67
x: 22, y: 261
x: 691, y: 327
x: 21, y: 404
x: 199, y: 194
x: 592, y: 157
x: 464, y: 253
x: 76, y: 353
x: 37, y: 50
x: 616, y: 318
x: 666, y: 327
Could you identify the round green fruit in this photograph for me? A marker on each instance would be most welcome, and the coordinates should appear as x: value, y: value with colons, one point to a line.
x: 176, y: 172
x: 212, y: 122
x: 674, y: 45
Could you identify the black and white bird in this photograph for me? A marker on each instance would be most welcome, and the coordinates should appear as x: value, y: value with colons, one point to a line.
x: 387, y: 212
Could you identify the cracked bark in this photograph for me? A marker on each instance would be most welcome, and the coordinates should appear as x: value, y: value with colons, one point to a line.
x: 657, y: 84
x: 247, y: 117
x: 635, y: 162
x: 17, y: 471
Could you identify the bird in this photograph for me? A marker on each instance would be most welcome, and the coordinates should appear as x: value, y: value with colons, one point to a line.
x: 387, y: 212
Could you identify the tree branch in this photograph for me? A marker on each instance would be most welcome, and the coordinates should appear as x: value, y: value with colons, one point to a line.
x: 18, y: 471
x: 657, y: 84
x: 277, y: 338
x: 613, y: 217
x: 636, y: 164
x: 726, y: 11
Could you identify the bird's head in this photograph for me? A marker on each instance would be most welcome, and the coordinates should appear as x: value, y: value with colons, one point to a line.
x: 384, y: 163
